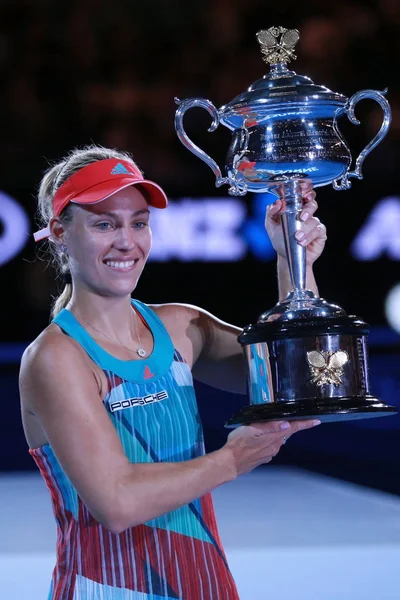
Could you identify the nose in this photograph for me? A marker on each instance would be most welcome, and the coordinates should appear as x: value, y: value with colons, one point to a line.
x: 125, y: 239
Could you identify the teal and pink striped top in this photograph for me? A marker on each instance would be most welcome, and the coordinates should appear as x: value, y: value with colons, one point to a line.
x: 153, y: 407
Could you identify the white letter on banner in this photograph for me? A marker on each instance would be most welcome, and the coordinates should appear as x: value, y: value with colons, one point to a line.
x: 204, y: 229
x: 16, y: 227
x: 380, y: 234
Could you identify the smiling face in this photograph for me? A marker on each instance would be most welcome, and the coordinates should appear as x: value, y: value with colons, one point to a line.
x: 109, y: 242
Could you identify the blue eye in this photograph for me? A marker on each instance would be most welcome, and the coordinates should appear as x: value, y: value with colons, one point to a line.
x: 104, y: 225
x: 139, y: 225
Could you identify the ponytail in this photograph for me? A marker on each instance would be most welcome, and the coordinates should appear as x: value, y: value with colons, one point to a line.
x: 62, y: 300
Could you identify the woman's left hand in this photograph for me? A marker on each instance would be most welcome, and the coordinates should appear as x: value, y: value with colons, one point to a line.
x: 311, y: 234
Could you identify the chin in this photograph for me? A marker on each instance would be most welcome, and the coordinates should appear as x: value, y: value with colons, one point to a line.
x: 116, y: 289
x: 122, y: 290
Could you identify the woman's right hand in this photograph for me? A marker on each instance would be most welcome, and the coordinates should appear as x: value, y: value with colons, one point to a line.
x: 258, y: 443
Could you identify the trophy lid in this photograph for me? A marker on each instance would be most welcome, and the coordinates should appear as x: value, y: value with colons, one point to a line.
x: 280, y: 85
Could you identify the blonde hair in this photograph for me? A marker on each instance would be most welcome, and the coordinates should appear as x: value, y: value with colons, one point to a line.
x: 51, y: 181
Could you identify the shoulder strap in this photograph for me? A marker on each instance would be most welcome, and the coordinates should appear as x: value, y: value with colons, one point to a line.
x: 68, y: 323
x: 151, y: 318
x: 156, y: 365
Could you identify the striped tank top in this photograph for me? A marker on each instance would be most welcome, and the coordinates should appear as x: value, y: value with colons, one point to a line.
x: 152, y: 405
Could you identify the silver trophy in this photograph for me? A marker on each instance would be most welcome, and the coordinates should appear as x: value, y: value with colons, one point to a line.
x: 306, y: 358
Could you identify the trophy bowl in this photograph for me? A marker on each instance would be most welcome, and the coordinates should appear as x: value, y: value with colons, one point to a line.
x: 306, y: 358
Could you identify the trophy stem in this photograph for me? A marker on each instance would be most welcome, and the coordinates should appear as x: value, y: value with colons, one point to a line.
x: 291, y: 195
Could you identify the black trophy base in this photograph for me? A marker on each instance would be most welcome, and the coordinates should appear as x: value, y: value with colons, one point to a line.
x: 334, y: 409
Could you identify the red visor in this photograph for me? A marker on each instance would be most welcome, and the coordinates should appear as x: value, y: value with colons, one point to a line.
x: 98, y: 181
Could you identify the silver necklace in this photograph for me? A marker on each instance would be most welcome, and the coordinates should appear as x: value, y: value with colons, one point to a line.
x: 140, y: 351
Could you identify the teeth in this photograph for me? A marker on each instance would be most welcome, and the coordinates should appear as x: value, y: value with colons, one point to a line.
x: 126, y: 264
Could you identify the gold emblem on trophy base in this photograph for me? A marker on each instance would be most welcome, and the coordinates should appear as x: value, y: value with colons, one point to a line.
x: 327, y: 367
x: 278, y: 50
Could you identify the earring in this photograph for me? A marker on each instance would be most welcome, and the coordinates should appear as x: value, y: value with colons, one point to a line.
x: 64, y: 248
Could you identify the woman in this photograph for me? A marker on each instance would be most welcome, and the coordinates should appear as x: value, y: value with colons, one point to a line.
x: 107, y: 397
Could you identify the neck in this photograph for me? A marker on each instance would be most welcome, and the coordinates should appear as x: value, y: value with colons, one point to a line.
x: 110, y: 315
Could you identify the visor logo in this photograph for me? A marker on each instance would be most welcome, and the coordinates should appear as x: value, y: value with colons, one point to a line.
x: 119, y: 169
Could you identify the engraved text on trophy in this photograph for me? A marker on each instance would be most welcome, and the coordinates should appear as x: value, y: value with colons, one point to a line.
x: 307, y: 146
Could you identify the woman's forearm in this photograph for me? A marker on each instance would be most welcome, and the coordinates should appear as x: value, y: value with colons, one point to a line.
x: 284, y: 282
x: 147, y: 491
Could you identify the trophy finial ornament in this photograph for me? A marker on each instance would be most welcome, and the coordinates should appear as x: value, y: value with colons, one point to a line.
x: 277, y: 44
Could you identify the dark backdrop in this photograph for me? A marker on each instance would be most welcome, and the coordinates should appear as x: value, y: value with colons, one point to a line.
x: 81, y: 72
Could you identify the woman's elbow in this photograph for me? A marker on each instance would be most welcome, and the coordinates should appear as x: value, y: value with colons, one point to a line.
x: 116, y: 526
x: 118, y: 521
x: 115, y: 520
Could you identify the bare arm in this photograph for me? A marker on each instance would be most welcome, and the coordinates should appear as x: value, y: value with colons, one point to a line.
x: 221, y: 362
x: 209, y: 345
x: 311, y: 235
x: 87, y: 446
x: 216, y: 355
x: 284, y: 283
x: 120, y: 494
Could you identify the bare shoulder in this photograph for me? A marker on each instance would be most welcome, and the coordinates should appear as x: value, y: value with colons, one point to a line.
x: 195, y: 330
x: 51, y: 354
x: 177, y: 312
x: 53, y: 368
x: 187, y: 327
x: 185, y: 317
x: 186, y: 314
x: 51, y: 347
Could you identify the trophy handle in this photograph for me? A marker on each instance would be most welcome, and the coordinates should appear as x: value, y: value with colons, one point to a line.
x: 236, y: 188
x: 344, y: 183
